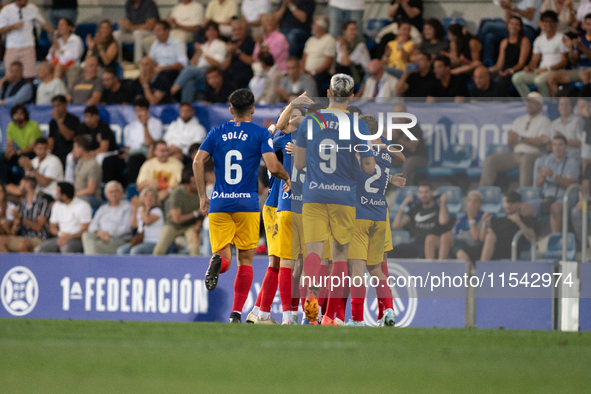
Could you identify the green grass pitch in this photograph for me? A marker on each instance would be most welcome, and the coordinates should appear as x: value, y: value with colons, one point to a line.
x: 60, y: 356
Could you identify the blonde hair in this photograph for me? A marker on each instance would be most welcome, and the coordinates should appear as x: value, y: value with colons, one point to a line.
x: 148, y: 189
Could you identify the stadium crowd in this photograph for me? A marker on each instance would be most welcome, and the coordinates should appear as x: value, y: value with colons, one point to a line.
x: 66, y: 192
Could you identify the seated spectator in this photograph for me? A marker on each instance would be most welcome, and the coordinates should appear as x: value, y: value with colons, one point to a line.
x: 113, y: 89
x: 139, y: 21
x: 529, y: 135
x: 87, y: 89
x: 103, y: 46
x: 295, y: 19
x: 426, y: 221
x: 557, y: 173
x: 492, y: 32
x: 28, y: 223
x: 185, y: 19
x: 237, y: 65
x: 464, y: 50
x: 466, y: 231
x: 62, y: 129
x: 45, y: 168
x: 447, y: 85
x: 513, y: 53
x: 319, y: 54
x: 183, y: 217
x: 110, y: 227
x: 407, y: 10
x: 139, y: 138
x: 70, y: 218
x: 98, y: 132
x: 576, y: 214
x: 580, y: 55
x: 569, y: 125
x: 417, y: 80
x: 15, y: 89
x: 147, y: 219
x: 161, y: 172
x: 352, y: 54
x: 271, y: 41
x: 217, y: 89
x: 223, y: 12
x: 416, y: 152
x: 184, y: 132
x: 210, y: 54
x: 253, y: 10
x: 380, y: 84
x: 67, y: 48
x: 169, y: 54
x: 49, y: 86
x: 21, y: 135
x: 398, y: 52
x: 263, y: 86
x: 565, y: 10
x: 434, y: 41
x: 549, y: 55
x: 295, y: 82
x: 484, y: 89
x: 497, y: 234
x: 6, y: 211
x: 88, y: 173
x: 151, y: 85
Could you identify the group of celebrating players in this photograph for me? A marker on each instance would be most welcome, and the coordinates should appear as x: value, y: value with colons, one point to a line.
x: 329, y: 214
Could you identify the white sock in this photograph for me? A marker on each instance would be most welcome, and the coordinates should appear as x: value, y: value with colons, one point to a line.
x: 256, y: 310
x: 264, y: 315
x: 287, y: 316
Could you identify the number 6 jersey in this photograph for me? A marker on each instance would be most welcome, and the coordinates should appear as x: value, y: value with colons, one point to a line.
x: 236, y: 149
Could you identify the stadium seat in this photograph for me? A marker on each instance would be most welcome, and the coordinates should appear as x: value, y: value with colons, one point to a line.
x: 374, y: 25
x: 456, y: 160
x: 400, y: 196
x: 532, y: 196
x: 554, y: 250
x: 131, y: 191
x: 447, y: 22
x: 492, y: 199
x: 84, y: 29
x: 454, y: 198
x: 400, y: 237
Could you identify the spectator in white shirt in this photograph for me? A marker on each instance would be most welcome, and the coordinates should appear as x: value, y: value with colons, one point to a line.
x: 223, y: 12
x: 111, y: 225
x: 17, y: 21
x: 252, y: 10
x: 568, y: 125
x: 67, y: 48
x: 70, y: 218
x: 319, y: 54
x: 264, y: 85
x: 49, y: 86
x: 209, y: 54
x: 169, y: 54
x: 184, y: 132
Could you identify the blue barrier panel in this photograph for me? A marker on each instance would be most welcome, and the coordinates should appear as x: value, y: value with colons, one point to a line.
x: 585, y: 297
x: 505, y: 300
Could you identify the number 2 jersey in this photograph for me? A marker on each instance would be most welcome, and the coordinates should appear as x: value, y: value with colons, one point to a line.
x: 236, y: 149
x: 330, y: 161
x: 371, y: 189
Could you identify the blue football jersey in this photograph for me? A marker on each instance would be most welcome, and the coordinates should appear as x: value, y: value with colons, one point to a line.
x: 330, y: 161
x: 274, y: 183
x: 236, y: 149
x: 292, y: 200
x: 371, y: 189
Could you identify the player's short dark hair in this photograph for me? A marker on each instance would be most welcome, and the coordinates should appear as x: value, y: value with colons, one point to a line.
x: 553, y: 16
x: 444, y: 59
x: 20, y: 107
x: 164, y: 24
x: 371, y: 121
x: 91, y: 110
x: 82, y: 142
x: 242, y: 101
x: 267, y: 59
x: 141, y: 102
x: 186, y: 176
x: 111, y: 70
x: 194, y: 148
x: 66, y: 189
x: 426, y: 184
x: 213, y: 69
x: 60, y: 98
x: 354, y: 109
x: 560, y: 137
x: 41, y: 141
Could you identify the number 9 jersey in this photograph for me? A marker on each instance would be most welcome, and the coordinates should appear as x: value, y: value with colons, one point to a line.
x: 236, y: 149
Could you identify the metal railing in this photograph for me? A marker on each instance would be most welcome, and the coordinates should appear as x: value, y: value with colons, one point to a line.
x: 565, y: 213
x: 515, y: 242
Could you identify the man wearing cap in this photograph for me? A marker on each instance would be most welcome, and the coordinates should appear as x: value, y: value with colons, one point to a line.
x: 529, y: 137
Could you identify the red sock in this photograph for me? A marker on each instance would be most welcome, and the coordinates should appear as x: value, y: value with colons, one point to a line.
x: 384, y: 294
x: 339, y: 269
x: 258, y: 301
x: 225, y: 265
x: 241, y: 287
x: 312, y: 270
x: 295, y: 288
x: 285, y: 288
x: 385, y: 268
x: 342, y: 308
x: 269, y: 288
x: 323, y: 289
x: 380, y: 303
x: 357, y: 301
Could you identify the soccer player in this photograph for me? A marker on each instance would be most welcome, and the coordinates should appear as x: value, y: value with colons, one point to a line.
x: 371, y: 222
x: 329, y: 189
x: 236, y: 148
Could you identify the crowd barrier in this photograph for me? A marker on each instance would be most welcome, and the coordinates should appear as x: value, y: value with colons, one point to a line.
x: 479, y: 124
x: 432, y: 294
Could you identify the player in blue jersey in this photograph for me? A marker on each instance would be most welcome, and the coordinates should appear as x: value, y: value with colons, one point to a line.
x: 236, y: 149
x: 329, y: 189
